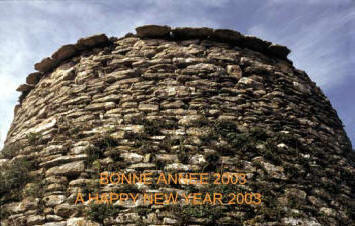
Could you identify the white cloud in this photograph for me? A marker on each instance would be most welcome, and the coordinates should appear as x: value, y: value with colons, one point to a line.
x: 310, y: 2
x: 317, y: 45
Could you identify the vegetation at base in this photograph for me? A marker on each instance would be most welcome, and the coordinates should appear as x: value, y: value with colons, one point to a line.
x: 10, y: 151
x: 209, y: 212
x: 35, y: 189
x: 14, y: 175
x: 34, y: 138
x: 153, y: 127
x: 99, y: 212
x: 3, y: 212
x: 183, y: 153
x: 211, y: 161
x: 96, y: 152
x: 247, y: 142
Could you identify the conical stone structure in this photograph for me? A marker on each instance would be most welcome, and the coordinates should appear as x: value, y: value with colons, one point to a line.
x: 169, y: 100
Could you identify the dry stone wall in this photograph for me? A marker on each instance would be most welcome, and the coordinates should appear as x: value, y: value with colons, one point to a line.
x: 175, y: 100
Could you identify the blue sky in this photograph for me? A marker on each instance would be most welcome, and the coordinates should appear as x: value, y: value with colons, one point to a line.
x: 320, y: 34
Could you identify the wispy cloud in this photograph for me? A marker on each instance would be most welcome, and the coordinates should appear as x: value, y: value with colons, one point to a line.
x: 310, y: 2
x: 320, y: 45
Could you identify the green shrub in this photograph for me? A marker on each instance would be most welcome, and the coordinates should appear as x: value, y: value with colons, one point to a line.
x: 153, y: 127
x: 106, y: 141
x: 97, y: 150
x: 94, y: 153
x: 183, y: 155
x: 13, y: 176
x: 34, y: 138
x: 10, y: 151
x: 3, y: 212
x: 212, y: 213
x: 99, y: 212
x: 225, y: 128
x: 211, y: 161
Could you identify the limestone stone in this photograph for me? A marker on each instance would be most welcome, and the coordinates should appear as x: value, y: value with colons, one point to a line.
x: 53, y: 149
x: 250, y: 82
x: 148, y: 107
x: 166, y: 157
x: 101, y: 106
x: 64, y: 210
x: 142, y: 166
x: 134, y: 128
x: 3, y: 162
x: 153, y: 31
x: 43, y: 126
x: 33, y: 78
x: 131, y: 157
x: 69, y: 74
x: 35, y: 220
x: 60, y: 223
x: 168, y: 220
x: 55, y: 187
x: 316, y: 201
x: 198, y: 131
x: 300, y: 221
x: 63, y: 159
x: 117, y: 75
x: 234, y: 71
x: 191, y: 33
x: 78, y: 221
x: 328, y: 211
x: 189, y: 120
x: 45, y: 64
x: 295, y: 193
x: 180, y: 167
x: 92, y: 41
x: 64, y: 52
x: 198, y: 160
x: 226, y: 35
x: 255, y: 43
x: 24, y: 88
x: 118, y: 135
x: 278, y: 50
x: 29, y: 203
x: 302, y: 88
x: 73, y: 168
x: 272, y: 170
x: 53, y: 200
x: 56, y: 179
x: 54, y: 218
x: 127, y: 218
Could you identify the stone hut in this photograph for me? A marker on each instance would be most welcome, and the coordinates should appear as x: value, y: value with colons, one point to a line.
x: 167, y: 101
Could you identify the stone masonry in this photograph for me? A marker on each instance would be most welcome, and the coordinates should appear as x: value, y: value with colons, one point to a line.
x: 175, y: 100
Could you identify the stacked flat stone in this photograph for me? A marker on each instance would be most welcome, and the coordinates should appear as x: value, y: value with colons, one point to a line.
x: 151, y: 31
x: 180, y: 77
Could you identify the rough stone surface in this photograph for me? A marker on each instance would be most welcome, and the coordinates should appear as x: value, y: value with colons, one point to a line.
x: 65, y: 52
x: 226, y: 35
x: 67, y: 169
x: 191, y: 33
x: 33, y: 78
x: 45, y: 64
x: 24, y: 88
x: 175, y: 100
x: 153, y: 31
x: 92, y: 41
x: 279, y: 50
